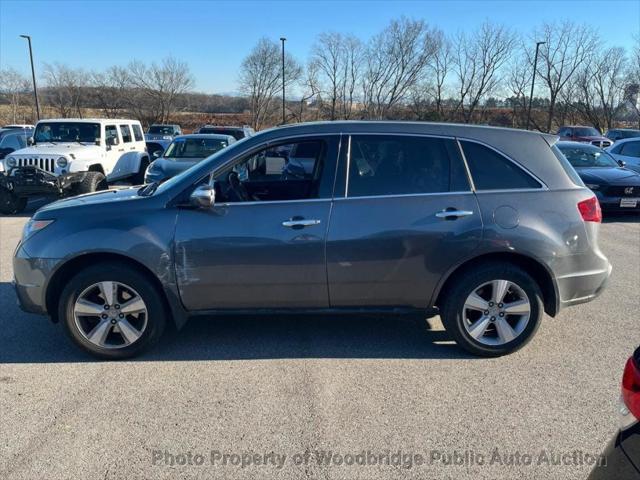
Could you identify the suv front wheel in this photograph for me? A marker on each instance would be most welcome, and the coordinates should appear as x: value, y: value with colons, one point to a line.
x: 112, y: 311
x: 493, y: 309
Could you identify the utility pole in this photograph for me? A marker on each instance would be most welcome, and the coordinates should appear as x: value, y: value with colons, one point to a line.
x: 284, y: 118
x: 533, y: 81
x: 33, y: 76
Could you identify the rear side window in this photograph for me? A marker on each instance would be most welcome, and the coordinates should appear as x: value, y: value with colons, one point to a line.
x: 137, y: 132
x: 401, y: 165
x: 111, y: 132
x: 125, y: 131
x: 492, y: 171
x: 630, y: 149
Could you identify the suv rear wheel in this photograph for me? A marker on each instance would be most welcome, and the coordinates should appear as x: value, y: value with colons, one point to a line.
x: 112, y: 311
x: 493, y: 309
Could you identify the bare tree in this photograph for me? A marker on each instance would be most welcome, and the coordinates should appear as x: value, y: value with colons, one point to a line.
x: 395, y: 60
x: 65, y: 89
x: 478, y: 60
x: 337, y: 59
x: 261, y: 78
x: 632, y: 88
x: 518, y: 81
x: 600, y: 87
x: 157, y: 87
x: 13, y: 85
x: 567, y: 47
x: 110, y: 90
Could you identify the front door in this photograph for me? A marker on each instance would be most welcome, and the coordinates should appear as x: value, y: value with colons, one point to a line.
x: 408, y: 216
x: 262, y: 245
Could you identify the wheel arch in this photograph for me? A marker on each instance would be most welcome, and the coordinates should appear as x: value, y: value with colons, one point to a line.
x: 96, y: 167
x: 72, y: 266
x: 538, y: 271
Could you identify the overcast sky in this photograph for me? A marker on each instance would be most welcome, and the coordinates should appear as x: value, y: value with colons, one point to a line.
x: 213, y: 37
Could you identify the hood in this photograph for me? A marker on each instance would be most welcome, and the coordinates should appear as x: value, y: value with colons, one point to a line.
x: 173, y: 167
x: 50, y: 149
x: 598, y: 138
x: 90, y: 199
x: 606, y: 175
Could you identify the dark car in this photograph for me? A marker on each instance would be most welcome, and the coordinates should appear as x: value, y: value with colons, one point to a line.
x: 486, y: 227
x: 622, y: 454
x: 584, y: 135
x: 616, y: 134
x: 12, y: 139
x: 236, y: 132
x: 617, y: 188
x: 183, y: 153
x: 162, y: 132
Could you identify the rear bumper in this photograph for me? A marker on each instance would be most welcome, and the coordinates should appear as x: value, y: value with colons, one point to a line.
x: 582, y: 287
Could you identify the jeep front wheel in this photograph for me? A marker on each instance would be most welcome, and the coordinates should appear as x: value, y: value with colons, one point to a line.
x: 10, y: 203
x: 92, y: 182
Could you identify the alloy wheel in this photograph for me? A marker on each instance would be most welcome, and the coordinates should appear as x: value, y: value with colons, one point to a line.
x: 496, y: 312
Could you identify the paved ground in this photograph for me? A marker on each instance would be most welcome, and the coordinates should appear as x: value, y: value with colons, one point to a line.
x: 285, y: 386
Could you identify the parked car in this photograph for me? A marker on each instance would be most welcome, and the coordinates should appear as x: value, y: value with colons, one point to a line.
x: 622, y: 454
x: 236, y: 132
x: 584, y: 135
x: 622, y: 133
x: 12, y: 139
x: 486, y: 227
x: 183, y: 153
x: 73, y: 156
x: 162, y: 132
x: 617, y: 188
x: 628, y: 151
x: 23, y: 126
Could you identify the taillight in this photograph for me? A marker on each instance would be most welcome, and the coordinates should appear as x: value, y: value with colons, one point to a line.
x: 631, y: 390
x: 590, y: 210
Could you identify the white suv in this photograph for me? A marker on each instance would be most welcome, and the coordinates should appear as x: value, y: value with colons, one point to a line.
x: 73, y: 156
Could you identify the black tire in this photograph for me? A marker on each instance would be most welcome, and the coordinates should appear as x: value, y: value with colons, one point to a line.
x: 92, y: 182
x: 463, y: 285
x: 126, y: 275
x: 138, y: 178
x: 10, y: 203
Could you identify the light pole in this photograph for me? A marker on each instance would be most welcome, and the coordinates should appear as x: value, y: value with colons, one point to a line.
x: 33, y: 75
x: 282, y: 39
x: 533, y: 81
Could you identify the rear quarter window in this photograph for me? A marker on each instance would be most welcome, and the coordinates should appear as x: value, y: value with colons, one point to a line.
x: 491, y: 170
x: 566, y: 165
x: 137, y: 132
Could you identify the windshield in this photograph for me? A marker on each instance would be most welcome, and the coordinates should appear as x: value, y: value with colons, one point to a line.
x: 162, y: 129
x: 67, y: 132
x: 629, y: 133
x: 586, y: 132
x: 587, y: 157
x: 236, y: 133
x: 194, y: 147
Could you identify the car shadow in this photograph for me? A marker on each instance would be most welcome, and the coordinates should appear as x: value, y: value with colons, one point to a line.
x: 27, y: 338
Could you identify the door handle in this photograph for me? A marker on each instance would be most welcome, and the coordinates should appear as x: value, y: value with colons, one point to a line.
x: 452, y: 213
x: 298, y: 222
x: 121, y: 150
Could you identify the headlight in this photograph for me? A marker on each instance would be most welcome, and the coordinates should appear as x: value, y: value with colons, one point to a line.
x: 11, y: 162
x: 592, y: 186
x: 62, y: 162
x: 167, y: 137
x: 33, y: 226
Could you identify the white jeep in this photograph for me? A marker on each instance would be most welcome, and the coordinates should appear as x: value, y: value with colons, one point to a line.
x: 71, y: 157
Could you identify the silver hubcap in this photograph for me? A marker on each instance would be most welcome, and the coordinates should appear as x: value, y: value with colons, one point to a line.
x: 110, y: 314
x: 496, y: 312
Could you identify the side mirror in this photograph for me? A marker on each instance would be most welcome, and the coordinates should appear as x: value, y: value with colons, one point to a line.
x: 203, y: 196
x: 622, y: 163
x: 157, y: 153
x: 30, y: 141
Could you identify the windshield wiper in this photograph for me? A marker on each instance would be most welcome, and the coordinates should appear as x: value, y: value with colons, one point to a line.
x: 147, y: 190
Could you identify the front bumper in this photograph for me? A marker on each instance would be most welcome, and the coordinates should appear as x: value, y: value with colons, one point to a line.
x: 29, y: 181
x: 30, y: 277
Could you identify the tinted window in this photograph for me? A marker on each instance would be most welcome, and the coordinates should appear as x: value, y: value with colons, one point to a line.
x: 126, y: 133
x: 137, y: 132
x: 631, y: 149
x: 111, y: 132
x: 397, y: 165
x: 586, y: 156
x: 193, y: 147
x: 15, y: 142
x: 492, y: 171
x: 236, y: 133
x: 586, y: 132
x: 162, y: 129
x: 67, y: 132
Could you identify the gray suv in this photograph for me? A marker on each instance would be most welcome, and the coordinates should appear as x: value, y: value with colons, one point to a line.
x: 487, y: 227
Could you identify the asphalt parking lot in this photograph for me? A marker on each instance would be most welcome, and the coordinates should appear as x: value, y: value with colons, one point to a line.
x: 232, y: 392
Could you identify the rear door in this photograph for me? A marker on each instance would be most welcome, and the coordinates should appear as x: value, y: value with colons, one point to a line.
x: 407, y: 215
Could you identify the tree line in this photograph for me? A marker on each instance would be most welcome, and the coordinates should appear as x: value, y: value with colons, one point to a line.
x: 409, y: 70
